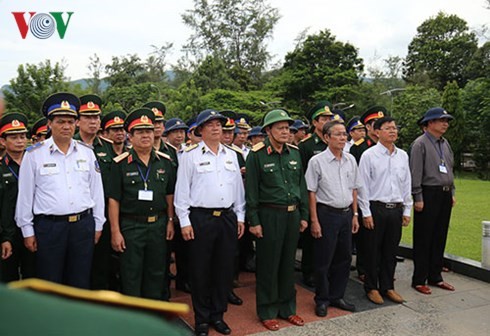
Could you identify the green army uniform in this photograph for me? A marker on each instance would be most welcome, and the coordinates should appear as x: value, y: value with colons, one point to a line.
x: 170, y: 151
x: 21, y: 256
x: 2, y: 239
x: 143, y: 223
x: 276, y: 199
x: 101, y: 270
x: 239, y: 155
x: 21, y: 260
x: 37, y: 307
x: 308, y: 147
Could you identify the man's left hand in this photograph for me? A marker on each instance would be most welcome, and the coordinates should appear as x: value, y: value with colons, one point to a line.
x: 303, y: 225
x: 405, y: 220
x: 241, y: 229
x: 97, y: 236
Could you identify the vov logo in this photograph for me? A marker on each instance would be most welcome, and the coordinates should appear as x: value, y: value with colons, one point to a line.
x: 42, y: 25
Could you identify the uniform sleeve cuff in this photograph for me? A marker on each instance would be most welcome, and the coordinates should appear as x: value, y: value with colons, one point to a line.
x: 27, y: 231
x: 184, y: 221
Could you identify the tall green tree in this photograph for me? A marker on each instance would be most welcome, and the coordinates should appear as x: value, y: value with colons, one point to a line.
x: 95, y: 69
x: 126, y: 71
x: 235, y: 31
x: 320, y: 67
x: 33, y: 84
x: 440, y: 51
x: 479, y: 65
x: 451, y: 101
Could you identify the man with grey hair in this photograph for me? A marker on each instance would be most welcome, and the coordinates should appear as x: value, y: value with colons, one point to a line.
x: 332, y: 182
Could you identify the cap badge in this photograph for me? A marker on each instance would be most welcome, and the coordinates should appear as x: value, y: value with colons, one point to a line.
x: 90, y: 105
x: 445, y: 112
x: 213, y: 113
x: 117, y: 119
x: 327, y: 109
x: 15, y: 123
x: 381, y: 114
x: 283, y: 114
x: 177, y: 123
x: 144, y: 119
x: 65, y: 104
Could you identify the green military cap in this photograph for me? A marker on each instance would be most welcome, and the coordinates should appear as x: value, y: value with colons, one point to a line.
x: 114, y: 119
x: 230, y: 122
x: 13, y: 123
x: 61, y: 104
x: 323, y: 107
x: 158, y: 109
x: 142, y: 118
x: 373, y: 113
x: 90, y: 105
x: 40, y: 127
x: 275, y: 116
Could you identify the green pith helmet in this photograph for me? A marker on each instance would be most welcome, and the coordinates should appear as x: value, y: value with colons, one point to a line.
x: 275, y: 116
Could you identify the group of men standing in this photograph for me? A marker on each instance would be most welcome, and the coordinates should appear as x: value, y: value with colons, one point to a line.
x: 70, y: 200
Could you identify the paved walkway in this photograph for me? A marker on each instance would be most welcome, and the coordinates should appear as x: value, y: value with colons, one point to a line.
x: 465, y: 311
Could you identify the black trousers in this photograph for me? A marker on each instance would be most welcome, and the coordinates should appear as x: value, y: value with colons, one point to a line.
x: 332, y: 254
x: 430, y: 230
x: 360, y: 249
x: 381, y: 245
x: 65, y: 250
x: 211, y: 262
x: 181, y: 251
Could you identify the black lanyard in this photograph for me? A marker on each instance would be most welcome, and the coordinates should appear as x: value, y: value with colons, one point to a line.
x: 13, y: 173
x: 439, y: 148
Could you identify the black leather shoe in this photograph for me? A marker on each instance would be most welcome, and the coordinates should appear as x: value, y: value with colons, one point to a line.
x: 184, y: 287
x: 342, y: 304
x: 222, y: 327
x: 202, y: 329
x: 234, y: 299
x: 321, y: 310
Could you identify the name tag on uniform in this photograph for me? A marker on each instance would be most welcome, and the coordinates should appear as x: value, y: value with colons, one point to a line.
x: 81, y: 165
x: 443, y: 169
x: 145, y: 195
x: 49, y: 169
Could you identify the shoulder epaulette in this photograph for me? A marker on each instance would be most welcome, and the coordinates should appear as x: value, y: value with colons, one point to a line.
x: 306, y: 138
x: 35, y: 146
x: 121, y: 157
x: 292, y: 146
x: 85, y: 144
x: 106, y: 140
x: 163, y: 155
x: 258, y: 146
x: 171, y: 146
x: 191, y: 147
x: 360, y: 141
x: 234, y: 148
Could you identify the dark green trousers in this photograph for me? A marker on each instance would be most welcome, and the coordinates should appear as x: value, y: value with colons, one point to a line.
x: 143, y: 265
x: 276, y: 251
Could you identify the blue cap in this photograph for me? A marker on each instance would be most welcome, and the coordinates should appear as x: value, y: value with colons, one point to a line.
x: 255, y: 131
x: 298, y: 124
x: 340, y: 114
x: 174, y: 124
x: 61, y: 104
x: 354, y: 123
x: 242, y: 122
x: 436, y: 113
x: 208, y: 115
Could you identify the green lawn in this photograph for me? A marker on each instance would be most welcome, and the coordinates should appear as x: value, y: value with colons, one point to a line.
x: 465, y: 230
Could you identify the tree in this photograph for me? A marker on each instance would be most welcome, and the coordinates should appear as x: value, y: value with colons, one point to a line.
x: 451, y: 102
x: 126, y: 71
x: 95, y: 69
x: 409, y: 106
x: 479, y: 65
x: 33, y: 84
x: 156, y: 63
x: 235, y: 31
x: 212, y: 74
x: 319, y: 68
x: 440, y: 51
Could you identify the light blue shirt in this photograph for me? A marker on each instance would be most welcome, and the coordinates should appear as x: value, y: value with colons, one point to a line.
x: 54, y: 183
x: 208, y: 180
x: 385, y: 178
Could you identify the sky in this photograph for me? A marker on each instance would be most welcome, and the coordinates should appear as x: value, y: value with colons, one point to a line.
x: 378, y: 28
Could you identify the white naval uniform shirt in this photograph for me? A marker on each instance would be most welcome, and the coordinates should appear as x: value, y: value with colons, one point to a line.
x: 208, y: 180
x: 52, y: 183
x: 385, y: 178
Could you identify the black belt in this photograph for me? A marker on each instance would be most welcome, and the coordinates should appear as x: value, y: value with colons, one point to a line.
x: 336, y: 210
x: 438, y: 188
x: 216, y: 212
x: 68, y: 218
x: 146, y: 219
x: 387, y: 205
x: 288, y: 208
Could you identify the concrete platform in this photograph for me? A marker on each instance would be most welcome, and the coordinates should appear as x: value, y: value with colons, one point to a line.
x: 465, y: 311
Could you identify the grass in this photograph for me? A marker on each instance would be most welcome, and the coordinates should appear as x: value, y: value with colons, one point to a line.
x: 465, y: 229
